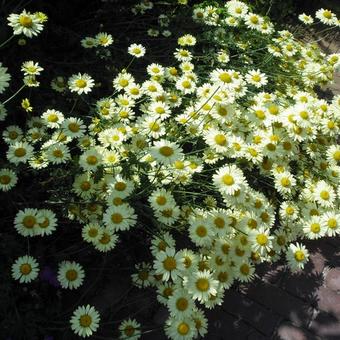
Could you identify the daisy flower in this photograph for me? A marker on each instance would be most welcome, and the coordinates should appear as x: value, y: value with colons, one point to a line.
x: 4, y: 78
x: 284, y: 183
x: 201, y: 285
x: 180, y: 304
x: 19, y: 152
x: 122, y: 81
x: 73, y: 127
x: 261, y: 240
x: 256, y: 78
x: 120, y: 187
x: 168, y: 216
x: 237, y: 8
x: 47, y: 222
x: 104, y: 39
x: 229, y: 179
x: 85, y: 321
x: 162, y: 243
x: 180, y: 328
x: 314, y: 228
x: 185, y: 84
x: 120, y: 217
x: 92, y: 232
x: 159, y: 110
x: 57, y: 153
x: 30, y: 68
x: 52, y: 118
x: 168, y: 264
x: 70, y: 274
x: 84, y: 186
x: 59, y: 84
x: 244, y: 271
x: 130, y: 329
x: 217, y: 140
x: 26, y: 222
x: 333, y: 154
x: 25, y: 269
x: 89, y: 42
x: 143, y: 277
x: 25, y: 23
x: 80, y: 83
x: 166, y: 152
x: 107, y: 240
x: 155, y: 70
x: 326, y: 16
x: 253, y: 21
x: 297, y: 256
x: 90, y: 159
x: 331, y: 221
x: 136, y: 50
x: 8, y: 179
x: 201, y: 232
x: 324, y: 194
x: 201, y: 322
x: 306, y: 19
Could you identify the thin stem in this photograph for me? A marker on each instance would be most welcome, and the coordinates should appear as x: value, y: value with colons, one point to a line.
x: 6, y: 41
x: 10, y: 98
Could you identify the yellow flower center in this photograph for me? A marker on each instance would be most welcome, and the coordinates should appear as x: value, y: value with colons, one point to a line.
x: 25, y: 21
x: 123, y: 82
x: 85, y: 320
x: 228, y: 180
x: 183, y: 328
x: 85, y: 186
x: 73, y: 127
x: 92, y: 160
x: 327, y: 14
x: 299, y: 255
x: 116, y: 218
x: 143, y: 275
x: 285, y: 182
x: 169, y: 263
x: 281, y: 240
x: 220, y: 140
x: 336, y: 155
x: 129, y: 330
x: 182, y: 304
x: 166, y: 151
x: 5, y: 179
x: 20, y: 152
x: 219, y: 222
x: 25, y: 268
x: 332, y: 223
x: 105, y: 239
x: 244, y: 269
x: 225, y: 77
x: 81, y: 83
x: 120, y: 186
x: 71, y: 275
x: 262, y: 239
x: 324, y: 195
x: 58, y: 153
x: 29, y: 221
x: 186, y: 84
x: 154, y: 126
x: 315, y: 228
x: 53, y: 118
x: 201, y: 231
x: 93, y: 232
x: 202, y: 284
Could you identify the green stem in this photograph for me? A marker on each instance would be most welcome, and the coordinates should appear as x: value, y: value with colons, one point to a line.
x: 6, y: 41
x: 10, y: 98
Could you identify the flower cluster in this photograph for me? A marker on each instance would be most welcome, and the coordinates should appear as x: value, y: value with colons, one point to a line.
x: 237, y: 157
